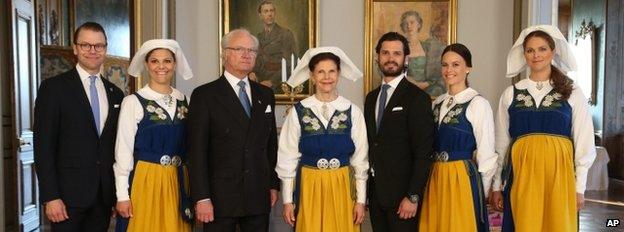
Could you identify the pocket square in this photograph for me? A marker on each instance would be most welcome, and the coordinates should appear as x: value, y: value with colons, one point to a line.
x: 116, y: 106
x: 268, y: 109
x: 398, y: 108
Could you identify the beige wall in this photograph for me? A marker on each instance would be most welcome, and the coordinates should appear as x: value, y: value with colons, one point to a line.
x: 485, y: 26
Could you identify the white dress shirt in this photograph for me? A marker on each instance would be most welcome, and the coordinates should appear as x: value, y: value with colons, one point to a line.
x: 288, y: 154
x: 479, y: 114
x: 582, y: 130
x: 393, y: 85
x: 101, y: 90
x: 130, y: 115
x: 234, y: 83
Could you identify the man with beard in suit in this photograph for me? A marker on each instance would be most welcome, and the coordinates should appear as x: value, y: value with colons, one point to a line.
x: 75, y: 128
x: 276, y: 42
x: 233, y: 143
x: 400, y: 129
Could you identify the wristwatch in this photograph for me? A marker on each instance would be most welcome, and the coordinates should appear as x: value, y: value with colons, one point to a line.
x: 413, y: 198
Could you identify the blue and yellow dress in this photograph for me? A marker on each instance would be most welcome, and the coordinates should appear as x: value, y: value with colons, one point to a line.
x: 322, y: 163
x: 464, y: 147
x: 153, y: 177
x: 548, y: 138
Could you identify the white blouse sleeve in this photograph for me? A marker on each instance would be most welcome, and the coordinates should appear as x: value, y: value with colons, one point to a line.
x: 359, y: 159
x: 502, y: 136
x: 583, y: 138
x: 288, y: 154
x: 130, y: 115
x: 479, y: 113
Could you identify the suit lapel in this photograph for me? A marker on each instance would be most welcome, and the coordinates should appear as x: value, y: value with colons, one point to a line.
x: 370, y: 112
x: 79, y: 91
x: 231, y: 103
x: 257, y: 108
x: 256, y: 101
x: 108, y: 89
x: 394, y: 101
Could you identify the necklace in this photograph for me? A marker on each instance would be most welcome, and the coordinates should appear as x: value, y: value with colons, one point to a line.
x: 540, y: 85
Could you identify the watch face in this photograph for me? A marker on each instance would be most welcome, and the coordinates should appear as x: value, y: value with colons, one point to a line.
x: 413, y: 198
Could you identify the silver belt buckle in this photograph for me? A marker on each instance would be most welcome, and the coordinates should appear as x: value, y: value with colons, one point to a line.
x: 334, y: 163
x: 441, y: 156
x: 165, y: 160
x: 176, y: 161
x: 322, y: 164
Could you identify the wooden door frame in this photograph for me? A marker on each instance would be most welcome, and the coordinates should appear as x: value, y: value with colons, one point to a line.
x: 3, y: 72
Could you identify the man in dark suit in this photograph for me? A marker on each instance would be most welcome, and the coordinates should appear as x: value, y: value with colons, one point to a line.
x: 400, y: 129
x: 75, y: 127
x: 233, y: 143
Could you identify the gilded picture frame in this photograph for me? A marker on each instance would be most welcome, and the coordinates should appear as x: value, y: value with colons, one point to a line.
x: 284, y: 37
x: 438, y: 28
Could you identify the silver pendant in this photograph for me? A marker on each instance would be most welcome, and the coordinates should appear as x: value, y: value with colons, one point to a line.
x: 450, y: 102
x: 539, y: 85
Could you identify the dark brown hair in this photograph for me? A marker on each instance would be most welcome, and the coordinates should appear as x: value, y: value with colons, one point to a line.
x: 321, y: 57
x: 393, y: 36
x: 147, y: 56
x: 91, y: 26
x: 561, y: 83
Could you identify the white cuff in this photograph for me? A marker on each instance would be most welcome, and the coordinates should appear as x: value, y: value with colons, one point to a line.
x: 287, y: 190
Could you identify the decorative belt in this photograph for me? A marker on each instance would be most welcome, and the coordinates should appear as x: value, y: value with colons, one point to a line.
x: 165, y: 160
x: 323, y: 163
x: 444, y: 156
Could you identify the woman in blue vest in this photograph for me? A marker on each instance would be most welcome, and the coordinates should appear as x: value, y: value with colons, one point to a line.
x: 464, y: 156
x: 544, y: 137
x: 322, y: 158
x: 150, y: 154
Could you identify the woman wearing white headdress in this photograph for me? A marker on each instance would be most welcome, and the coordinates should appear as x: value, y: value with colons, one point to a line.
x: 323, y: 149
x: 150, y: 153
x: 544, y: 137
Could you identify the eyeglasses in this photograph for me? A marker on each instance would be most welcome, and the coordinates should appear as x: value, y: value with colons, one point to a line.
x: 88, y: 47
x: 241, y: 50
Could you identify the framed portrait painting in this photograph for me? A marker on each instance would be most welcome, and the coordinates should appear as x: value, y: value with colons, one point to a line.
x: 428, y: 26
x: 285, y: 30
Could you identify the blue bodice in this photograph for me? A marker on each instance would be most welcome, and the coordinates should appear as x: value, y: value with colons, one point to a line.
x: 554, y: 116
x: 158, y: 135
x: 317, y: 142
x: 454, y: 135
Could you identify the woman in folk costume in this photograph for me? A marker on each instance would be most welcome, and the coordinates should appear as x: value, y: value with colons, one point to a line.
x: 464, y: 156
x: 150, y: 154
x: 544, y: 137
x: 322, y: 158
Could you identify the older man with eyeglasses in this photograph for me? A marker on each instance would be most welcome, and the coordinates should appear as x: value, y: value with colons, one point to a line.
x: 233, y: 143
x: 75, y: 127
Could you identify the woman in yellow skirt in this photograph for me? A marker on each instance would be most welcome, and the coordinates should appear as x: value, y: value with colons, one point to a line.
x: 150, y: 151
x: 322, y: 158
x: 544, y: 137
x: 464, y: 158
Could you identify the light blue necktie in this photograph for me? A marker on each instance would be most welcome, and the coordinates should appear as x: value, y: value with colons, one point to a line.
x: 383, y: 96
x: 242, y: 95
x: 95, y: 102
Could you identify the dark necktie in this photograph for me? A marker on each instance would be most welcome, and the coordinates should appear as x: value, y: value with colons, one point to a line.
x: 383, y: 96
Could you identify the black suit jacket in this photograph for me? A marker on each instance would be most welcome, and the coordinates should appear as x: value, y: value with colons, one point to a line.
x: 400, y: 151
x: 71, y: 161
x: 232, y: 157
